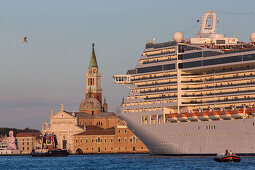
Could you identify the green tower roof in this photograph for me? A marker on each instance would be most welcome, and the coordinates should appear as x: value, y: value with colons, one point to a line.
x: 93, y: 60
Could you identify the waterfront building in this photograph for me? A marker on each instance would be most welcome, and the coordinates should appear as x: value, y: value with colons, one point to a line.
x: 118, y: 139
x: 92, y: 113
x: 27, y: 141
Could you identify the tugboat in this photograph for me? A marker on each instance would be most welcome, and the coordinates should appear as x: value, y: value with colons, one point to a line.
x: 49, y: 148
x: 227, y: 157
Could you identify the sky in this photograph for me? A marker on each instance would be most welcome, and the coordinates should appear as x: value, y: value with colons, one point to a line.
x: 38, y: 76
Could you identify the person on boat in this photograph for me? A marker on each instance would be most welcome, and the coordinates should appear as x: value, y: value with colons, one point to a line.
x: 230, y: 153
x: 226, y: 152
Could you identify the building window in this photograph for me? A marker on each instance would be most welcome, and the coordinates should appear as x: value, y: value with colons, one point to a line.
x: 119, y: 148
x: 23, y: 148
x: 119, y: 131
x: 105, y: 140
x: 81, y: 140
x: 111, y: 139
x: 119, y: 139
x: 23, y: 143
x: 76, y: 140
x: 111, y: 148
x: 86, y: 148
x: 92, y: 149
x: 125, y: 148
x: 98, y: 140
x: 125, y: 131
x: 105, y: 148
x: 27, y: 148
x: 92, y: 140
x: 27, y: 143
x: 86, y: 140
x: 125, y: 139
x: 141, y: 147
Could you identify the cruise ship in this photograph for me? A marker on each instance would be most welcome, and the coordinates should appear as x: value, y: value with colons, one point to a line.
x: 193, y: 96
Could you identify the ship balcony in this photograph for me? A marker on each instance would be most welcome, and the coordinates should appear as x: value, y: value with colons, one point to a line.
x: 158, y: 61
x: 248, y: 99
x: 223, y: 71
x: 155, y: 84
x: 153, y: 91
x: 121, y: 79
x: 217, y: 80
x: 221, y: 86
x: 154, y: 77
x: 219, y: 94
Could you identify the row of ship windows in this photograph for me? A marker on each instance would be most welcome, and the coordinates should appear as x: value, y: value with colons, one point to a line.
x: 220, y: 71
x: 153, y: 96
x: 111, y: 148
x: 158, y: 59
x: 216, y: 61
x: 219, y: 92
x: 143, y: 109
x: 220, y: 77
x: 99, y: 139
x: 154, y: 83
x: 156, y: 68
x: 157, y: 89
x: 220, y: 85
x: 152, y: 76
x: 159, y: 52
x: 207, y: 134
x: 221, y: 99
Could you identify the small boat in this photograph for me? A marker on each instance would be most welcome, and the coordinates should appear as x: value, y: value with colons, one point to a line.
x: 227, y: 158
x: 49, y: 148
x: 50, y: 153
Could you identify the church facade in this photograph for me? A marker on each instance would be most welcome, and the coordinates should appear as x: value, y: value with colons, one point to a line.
x: 92, y: 122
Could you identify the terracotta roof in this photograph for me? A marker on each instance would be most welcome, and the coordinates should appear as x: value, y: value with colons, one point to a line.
x: 95, y: 130
x: 28, y: 134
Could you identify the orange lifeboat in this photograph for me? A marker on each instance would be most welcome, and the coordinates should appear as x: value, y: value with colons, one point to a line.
x: 214, y: 115
x: 173, y: 117
x: 203, y: 115
x: 250, y: 110
x: 192, y: 116
x: 253, y: 110
x: 226, y: 115
x: 238, y: 114
x: 182, y: 117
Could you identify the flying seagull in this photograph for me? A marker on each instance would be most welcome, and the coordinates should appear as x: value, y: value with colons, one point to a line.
x: 25, y: 40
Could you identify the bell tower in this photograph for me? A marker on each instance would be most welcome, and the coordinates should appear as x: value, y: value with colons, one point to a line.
x: 93, y: 79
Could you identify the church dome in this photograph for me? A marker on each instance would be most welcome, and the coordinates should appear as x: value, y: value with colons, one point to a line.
x: 90, y: 104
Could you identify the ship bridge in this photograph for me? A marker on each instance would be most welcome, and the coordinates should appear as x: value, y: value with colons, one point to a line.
x: 121, y: 79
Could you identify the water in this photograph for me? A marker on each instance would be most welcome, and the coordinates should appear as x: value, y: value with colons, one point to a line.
x: 119, y: 161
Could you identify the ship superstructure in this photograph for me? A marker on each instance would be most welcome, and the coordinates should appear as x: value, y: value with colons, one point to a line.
x: 189, y: 95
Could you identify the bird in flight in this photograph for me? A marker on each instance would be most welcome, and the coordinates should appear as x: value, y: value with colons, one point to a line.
x: 25, y: 40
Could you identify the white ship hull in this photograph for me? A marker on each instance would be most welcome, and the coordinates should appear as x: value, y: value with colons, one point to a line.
x: 196, y: 138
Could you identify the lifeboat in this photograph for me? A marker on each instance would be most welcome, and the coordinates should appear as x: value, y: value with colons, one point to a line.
x: 238, y: 114
x: 192, y: 116
x: 182, y: 117
x: 250, y: 111
x: 253, y: 110
x: 203, y: 116
x: 173, y: 117
x: 214, y: 115
x: 226, y: 115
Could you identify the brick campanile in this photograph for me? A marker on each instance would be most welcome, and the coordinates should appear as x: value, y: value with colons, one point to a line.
x: 93, y: 79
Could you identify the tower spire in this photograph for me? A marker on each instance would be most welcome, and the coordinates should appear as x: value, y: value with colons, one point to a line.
x: 93, y: 60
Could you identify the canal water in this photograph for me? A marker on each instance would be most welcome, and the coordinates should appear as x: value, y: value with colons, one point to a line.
x: 121, y: 161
